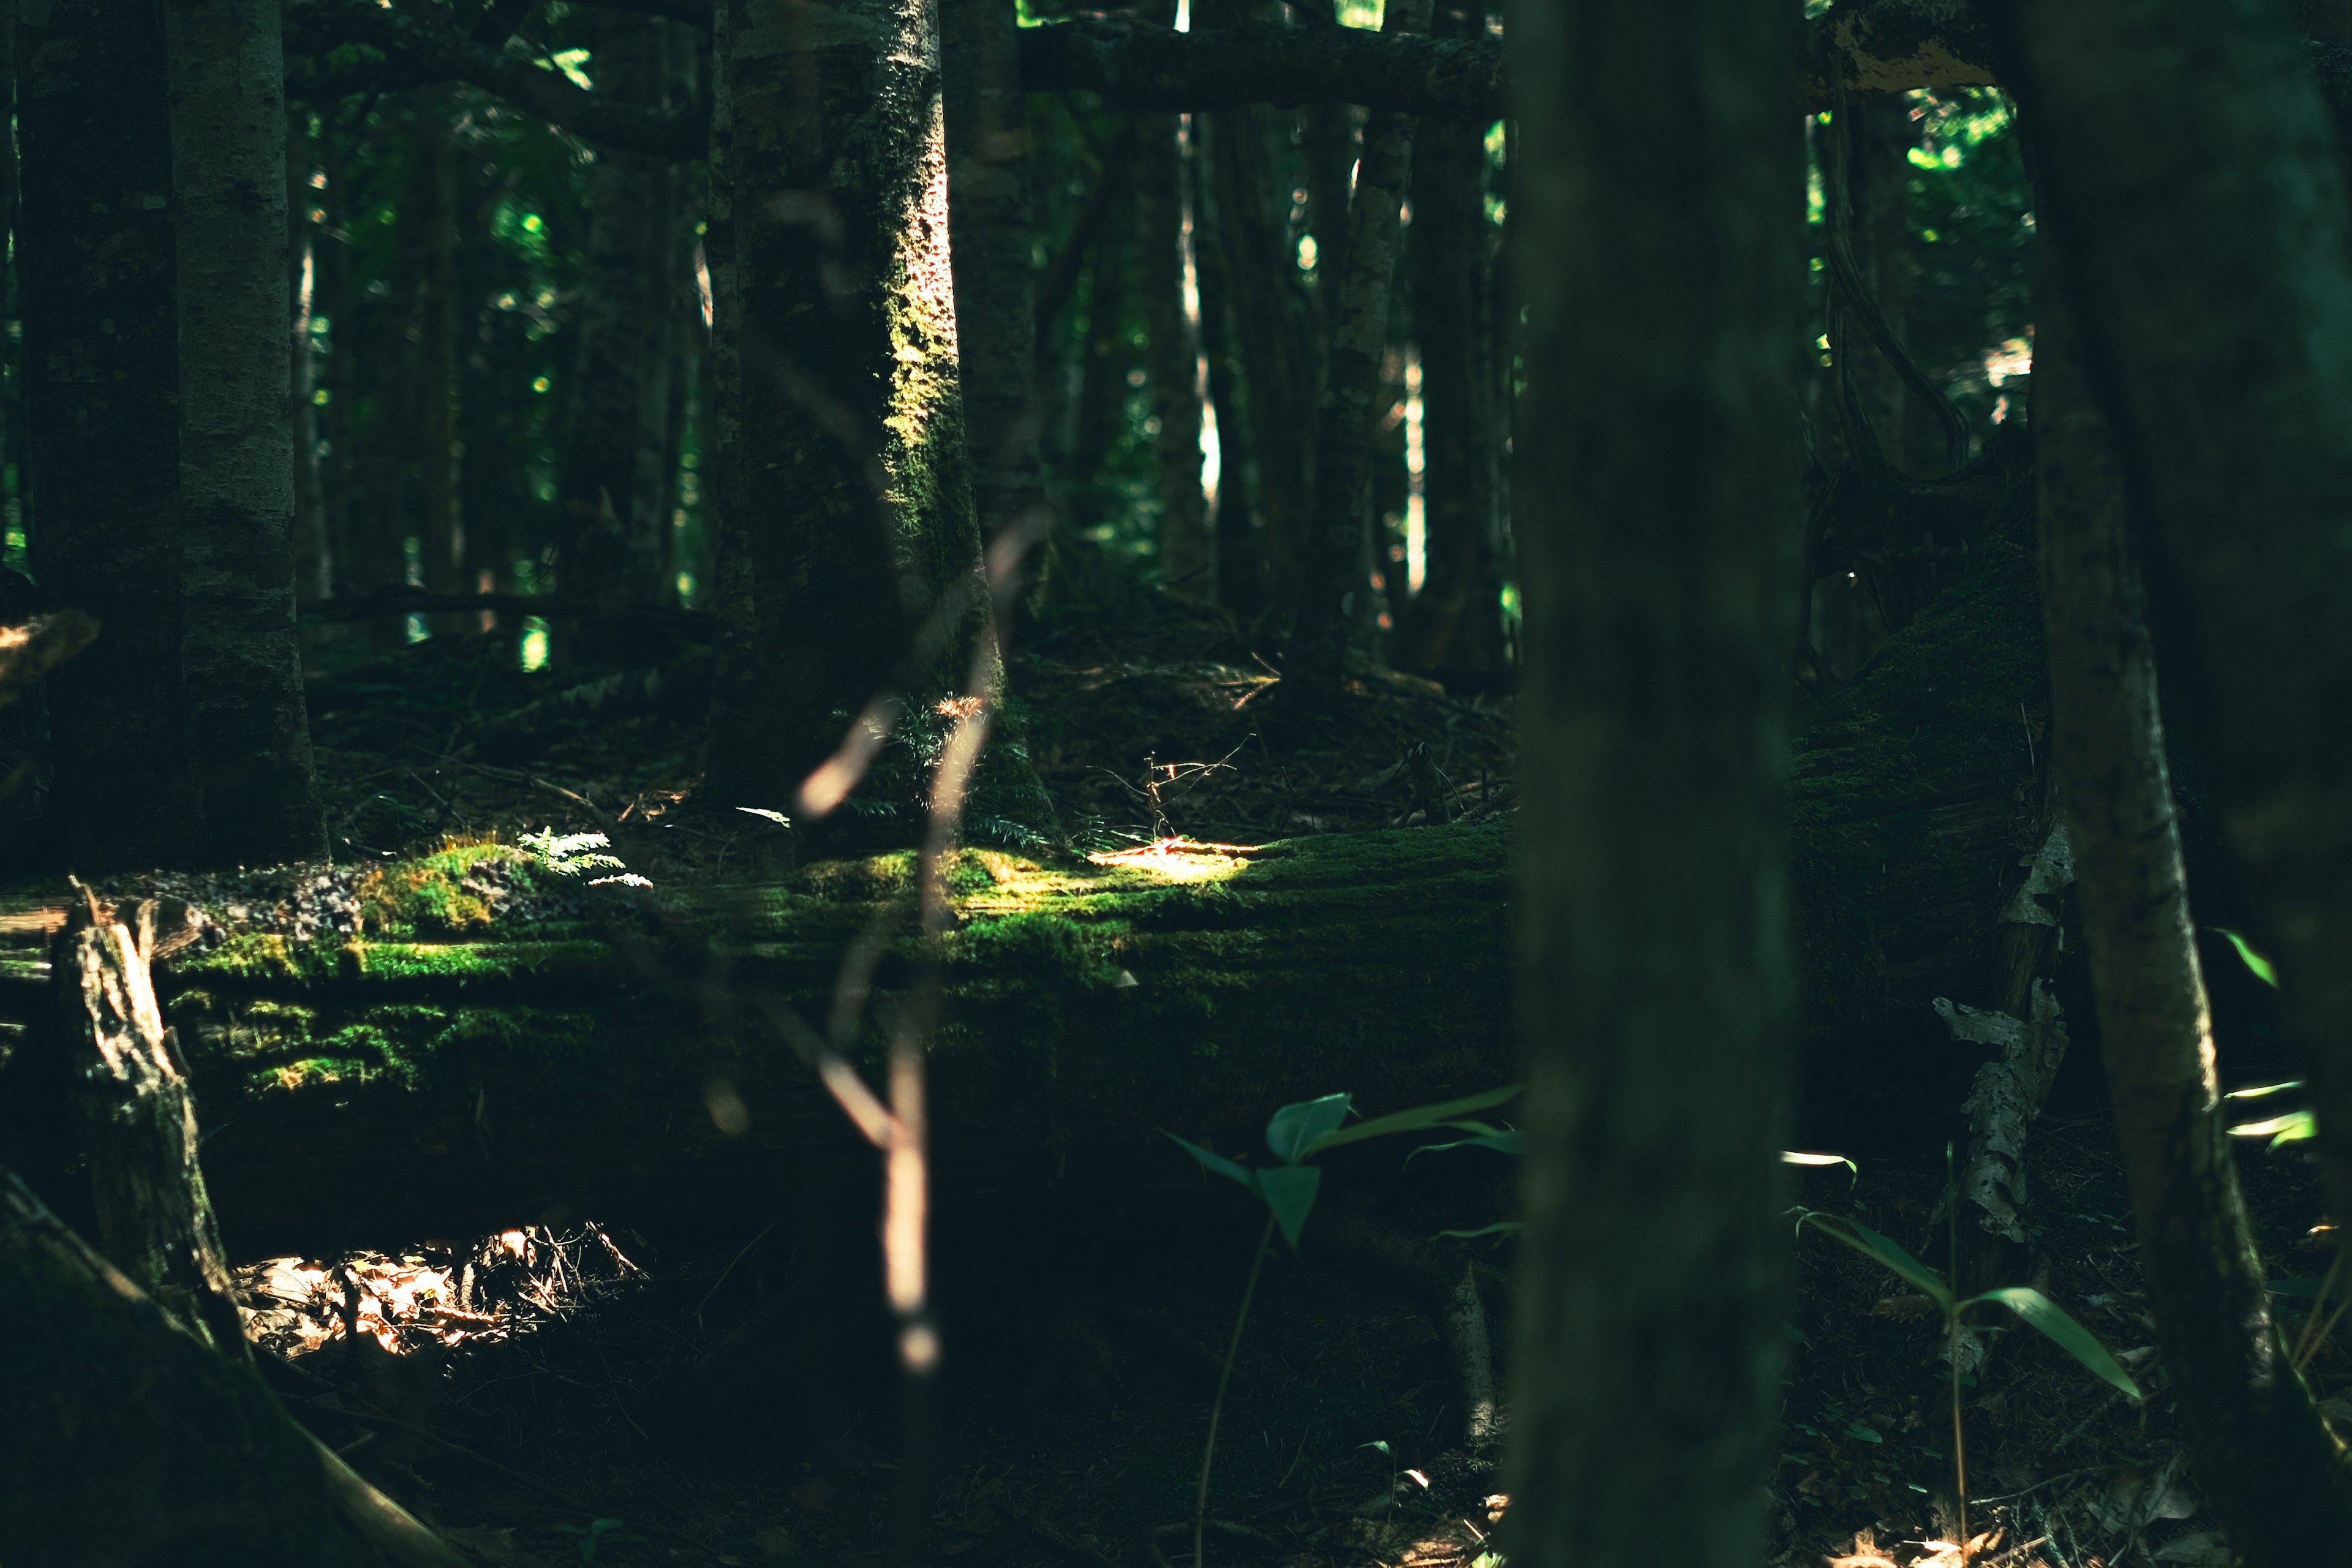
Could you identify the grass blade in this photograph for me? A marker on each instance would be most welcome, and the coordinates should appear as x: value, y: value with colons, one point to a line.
x: 2060, y: 1327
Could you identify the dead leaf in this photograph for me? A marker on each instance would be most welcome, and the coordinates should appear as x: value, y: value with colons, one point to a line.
x: 1865, y: 1554
x: 2205, y: 1549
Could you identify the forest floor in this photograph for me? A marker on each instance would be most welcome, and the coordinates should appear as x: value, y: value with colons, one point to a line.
x: 537, y: 1407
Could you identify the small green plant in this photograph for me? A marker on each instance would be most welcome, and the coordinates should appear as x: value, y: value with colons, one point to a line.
x: 2037, y: 1310
x: 1296, y: 1133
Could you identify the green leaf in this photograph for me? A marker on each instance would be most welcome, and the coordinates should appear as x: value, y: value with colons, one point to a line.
x: 2261, y: 1090
x: 1502, y: 1139
x: 1871, y: 1245
x: 1289, y: 1192
x: 2294, y: 1127
x: 1867, y: 1434
x: 1418, y: 1119
x: 1293, y: 1132
x: 1216, y: 1162
x: 1500, y: 1227
x: 2263, y: 969
x: 2069, y: 1335
x: 1794, y: 1157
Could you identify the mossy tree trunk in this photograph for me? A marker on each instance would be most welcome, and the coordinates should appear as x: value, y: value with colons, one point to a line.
x: 2205, y: 250
x: 2262, y: 1456
x: 1656, y: 226
x: 101, y: 400
x: 240, y: 659
x: 842, y: 475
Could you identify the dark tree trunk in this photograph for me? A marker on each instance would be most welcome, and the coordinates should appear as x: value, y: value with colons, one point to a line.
x: 1240, y: 543
x: 1454, y: 623
x: 2262, y: 1458
x: 1656, y: 229
x: 1108, y: 356
x: 1336, y: 577
x: 2205, y: 250
x: 1276, y: 325
x: 840, y: 429
x: 429, y: 261
x: 995, y: 283
x: 314, y: 560
x: 128, y: 1444
x: 9, y: 430
x: 1878, y: 186
x: 614, y: 485
x: 1178, y: 370
x: 101, y: 397
x: 241, y: 663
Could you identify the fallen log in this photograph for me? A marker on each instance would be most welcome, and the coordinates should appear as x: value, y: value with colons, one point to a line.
x: 501, y: 1033
x: 131, y: 1445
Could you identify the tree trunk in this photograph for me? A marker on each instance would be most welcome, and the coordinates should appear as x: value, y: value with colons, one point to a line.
x: 314, y: 561
x: 1178, y: 371
x: 2206, y: 251
x: 138, y: 1128
x: 428, y: 259
x: 990, y: 214
x: 2264, y: 1459
x: 1657, y: 227
x: 1275, y: 320
x: 1455, y: 622
x: 131, y: 1445
x: 1336, y: 579
x: 239, y: 656
x: 842, y: 477
x: 614, y: 485
x: 1240, y: 543
x: 101, y: 397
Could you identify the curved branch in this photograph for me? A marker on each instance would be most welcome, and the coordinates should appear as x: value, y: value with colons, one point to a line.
x: 678, y: 133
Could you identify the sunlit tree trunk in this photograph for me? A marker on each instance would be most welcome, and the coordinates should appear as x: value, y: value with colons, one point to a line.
x: 1178, y: 369
x: 614, y: 485
x: 842, y: 480
x: 2262, y: 1459
x: 1655, y: 225
x: 104, y: 437
x: 241, y: 663
x: 2205, y: 248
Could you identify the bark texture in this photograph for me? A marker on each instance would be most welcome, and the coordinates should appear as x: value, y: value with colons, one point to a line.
x: 1655, y: 213
x: 138, y: 1127
x: 131, y: 1445
x: 240, y: 659
x: 842, y: 475
x: 2207, y: 251
x: 616, y: 483
x: 1336, y: 579
x: 95, y: 246
x: 2264, y: 1459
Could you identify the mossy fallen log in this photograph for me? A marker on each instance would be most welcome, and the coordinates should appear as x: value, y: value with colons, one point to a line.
x: 487, y: 1033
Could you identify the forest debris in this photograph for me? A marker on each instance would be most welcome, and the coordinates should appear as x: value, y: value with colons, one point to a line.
x: 2049, y: 873
x: 2005, y: 1099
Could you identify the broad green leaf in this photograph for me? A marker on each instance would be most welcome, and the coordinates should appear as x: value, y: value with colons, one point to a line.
x: 1794, y: 1157
x: 2069, y: 1335
x: 1500, y: 1227
x: 2261, y: 1090
x: 1416, y: 1120
x: 1293, y: 1132
x: 1217, y: 1162
x: 2263, y: 968
x: 1871, y: 1245
x: 1289, y: 1192
x: 1502, y: 1139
